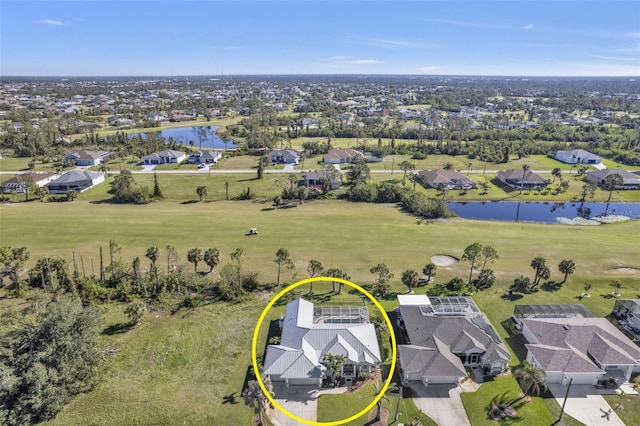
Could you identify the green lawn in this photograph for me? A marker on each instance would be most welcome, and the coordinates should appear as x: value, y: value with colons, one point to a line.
x: 188, y: 368
x: 477, y: 404
x: 630, y: 412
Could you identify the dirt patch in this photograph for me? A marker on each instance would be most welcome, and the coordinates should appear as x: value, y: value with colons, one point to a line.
x: 444, y: 260
x: 628, y: 270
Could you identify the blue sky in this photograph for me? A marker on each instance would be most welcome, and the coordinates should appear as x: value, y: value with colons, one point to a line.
x: 539, y: 38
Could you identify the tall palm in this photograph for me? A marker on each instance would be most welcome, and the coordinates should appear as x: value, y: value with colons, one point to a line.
x: 378, y: 389
x: 531, y: 378
x: 255, y: 398
x: 525, y: 168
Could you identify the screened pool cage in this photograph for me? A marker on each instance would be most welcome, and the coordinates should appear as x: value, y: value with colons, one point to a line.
x: 340, y: 315
x: 551, y: 311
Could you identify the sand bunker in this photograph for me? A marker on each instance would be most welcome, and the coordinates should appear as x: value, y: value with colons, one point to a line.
x: 444, y: 260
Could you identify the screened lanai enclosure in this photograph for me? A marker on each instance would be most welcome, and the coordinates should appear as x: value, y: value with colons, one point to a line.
x: 522, y: 312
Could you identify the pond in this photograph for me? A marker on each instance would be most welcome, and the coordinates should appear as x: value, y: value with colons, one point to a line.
x: 202, y: 137
x: 541, y: 212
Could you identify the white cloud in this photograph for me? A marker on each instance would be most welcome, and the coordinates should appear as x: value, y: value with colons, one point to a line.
x: 51, y: 22
x: 350, y: 61
x: 528, y: 27
x: 612, y: 58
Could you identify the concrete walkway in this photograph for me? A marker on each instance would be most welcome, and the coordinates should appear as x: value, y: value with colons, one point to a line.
x: 442, y: 403
x: 585, y: 404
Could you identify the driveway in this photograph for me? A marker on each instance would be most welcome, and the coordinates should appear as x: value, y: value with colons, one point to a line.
x: 585, y: 404
x: 442, y: 403
x: 301, y: 401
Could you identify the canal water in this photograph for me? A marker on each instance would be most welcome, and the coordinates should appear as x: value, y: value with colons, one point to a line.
x: 541, y: 212
x: 202, y: 137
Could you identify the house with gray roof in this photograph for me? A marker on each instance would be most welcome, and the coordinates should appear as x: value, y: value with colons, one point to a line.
x: 342, y: 155
x: 445, y: 179
x: 76, y: 180
x: 629, y: 180
x: 167, y: 156
x: 318, y: 178
x: 311, y: 332
x: 284, y: 156
x: 525, y: 179
x: 445, y: 336
x: 577, y: 156
x: 581, y: 348
x: 87, y: 157
x: 205, y: 156
x: 20, y: 183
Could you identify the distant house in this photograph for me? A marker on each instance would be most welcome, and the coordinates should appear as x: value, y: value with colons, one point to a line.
x: 19, y: 184
x: 444, y: 337
x: 629, y: 180
x: 77, y: 180
x: 445, y: 179
x: 309, y: 333
x: 342, y: 155
x: 577, y: 156
x: 284, y: 156
x: 88, y: 158
x: 306, y: 122
x: 168, y: 156
x: 521, y: 179
x: 316, y: 179
x: 570, y: 344
x: 207, y: 157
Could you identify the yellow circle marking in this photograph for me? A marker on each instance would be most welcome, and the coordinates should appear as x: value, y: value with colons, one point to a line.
x: 254, y: 358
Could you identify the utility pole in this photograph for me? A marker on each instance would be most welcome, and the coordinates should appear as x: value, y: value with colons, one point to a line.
x: 566, y: 395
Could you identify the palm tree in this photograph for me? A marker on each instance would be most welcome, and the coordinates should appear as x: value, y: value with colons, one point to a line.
x: 567, y: 267
x: 282, y: 259
x: 377, y: 389
x: 334, y: 364
x: 617, y: 285
x: 611, y: 183
x: 212, y: 258
x: 406, y: 166
x: 194, y: 256
x: 314, y: 269
x: 531, y: 378
x: 255, y: 398
x: 525, y: 168
x: 429, y: 270
x: 410, y: 279
x: 556, y: 172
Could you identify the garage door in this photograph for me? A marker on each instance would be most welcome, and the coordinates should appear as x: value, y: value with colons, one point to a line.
x: 580, y: 379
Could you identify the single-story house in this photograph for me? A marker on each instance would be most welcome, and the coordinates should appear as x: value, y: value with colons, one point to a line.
x: 165, y: 157
x: 207, y: 157
x: 309, y: 333
x: 577, y: 156
x: 284, y: 156
x: 306, y: 122
x: 567, y: 345
x: 445, y: 179
x: 629, y: 180
x: 342, y: 155
x: 444, y: 337
x: 19, y: 184
x: 77, y: 180
x: 517, y: 179
x: 87, y: 158
x: 317, y: 178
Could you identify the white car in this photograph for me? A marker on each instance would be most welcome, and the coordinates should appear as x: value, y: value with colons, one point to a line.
x: 202, y: 166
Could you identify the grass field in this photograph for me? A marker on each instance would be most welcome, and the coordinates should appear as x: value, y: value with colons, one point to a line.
x: 169, y: 369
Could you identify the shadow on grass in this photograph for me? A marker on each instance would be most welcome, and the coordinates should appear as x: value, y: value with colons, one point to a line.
x: 515, y: 340
x: 512, y: 297
x: 190, y: 202
x: 120, y: 328
x: 230, y: 399
x: 552, y: 286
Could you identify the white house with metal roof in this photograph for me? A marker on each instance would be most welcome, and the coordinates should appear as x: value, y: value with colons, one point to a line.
x: 577, y: 156
x: 310, y: 333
